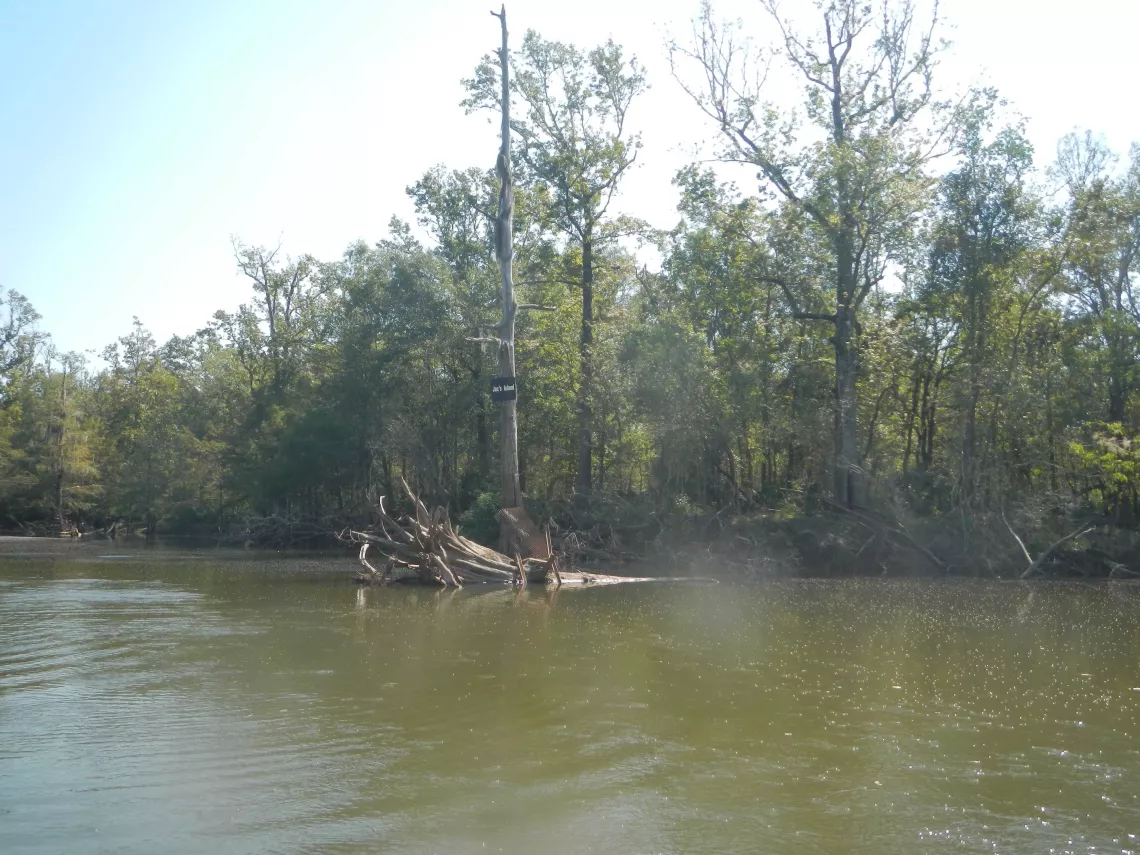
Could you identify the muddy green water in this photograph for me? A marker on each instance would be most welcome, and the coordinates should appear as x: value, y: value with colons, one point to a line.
x: 182, y: 703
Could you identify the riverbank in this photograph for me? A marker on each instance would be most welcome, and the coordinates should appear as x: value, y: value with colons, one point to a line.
x: 830, y: 543
x: 835, y: 543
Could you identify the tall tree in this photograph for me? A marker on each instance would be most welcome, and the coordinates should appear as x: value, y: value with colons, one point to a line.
x: 150, y: 460
x: 717, y: 262
x: 286, y: 302
x: 984, y: 224
x: 1104, y: 258
x: 510, y: 493
x: 867, y: 72
x: 570, y: 122
x: 455, y: 207
x: 19, y: 337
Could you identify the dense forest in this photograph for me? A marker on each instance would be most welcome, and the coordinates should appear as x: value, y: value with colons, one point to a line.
x: 903, y: 309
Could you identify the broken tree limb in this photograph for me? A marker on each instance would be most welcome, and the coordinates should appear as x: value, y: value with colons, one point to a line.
x: 1035, y: 567
x: 383, y: 577
x: 552, y: 568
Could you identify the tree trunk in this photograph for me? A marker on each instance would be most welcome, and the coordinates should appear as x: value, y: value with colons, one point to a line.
x: 585, y: 344
x: 925, y: 456
x: 970, y: 443
x: 849, y: 488
x: 911, y: 417
x: 790, y: 471
x: 975, y: 343
x: 482, y: 441
x: 746, y: 455
x: 60, y: 439
x: 1119, y: 366
x: 1054, y: 485
x: 510, y: 495
x: 1117, y: 398
x: 482, y: 434
x: 929, y: 436
x: 602, y: 455
x: 59, y: 498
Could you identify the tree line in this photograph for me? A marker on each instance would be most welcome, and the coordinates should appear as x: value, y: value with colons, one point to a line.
x: 906, y: 308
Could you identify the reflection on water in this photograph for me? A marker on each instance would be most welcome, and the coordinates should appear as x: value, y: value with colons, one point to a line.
x: 237, y: 706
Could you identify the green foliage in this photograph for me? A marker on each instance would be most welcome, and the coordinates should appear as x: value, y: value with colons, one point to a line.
x: 1107, y: 468
x: 478, y: 522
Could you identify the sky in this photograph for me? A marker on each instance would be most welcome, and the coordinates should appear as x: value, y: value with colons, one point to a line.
x: 138, y: 138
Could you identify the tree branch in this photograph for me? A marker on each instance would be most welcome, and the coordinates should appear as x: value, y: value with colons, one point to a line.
x: 1024, y: 551
x: 1035, y: 567
x: 793, y: 304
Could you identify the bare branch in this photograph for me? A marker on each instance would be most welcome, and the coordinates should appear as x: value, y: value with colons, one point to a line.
x: 793, y: 304
x: 1024, y: 551
x: 1035, y: 567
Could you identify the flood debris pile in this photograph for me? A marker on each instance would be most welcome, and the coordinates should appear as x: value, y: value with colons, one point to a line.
x: 426, y: 548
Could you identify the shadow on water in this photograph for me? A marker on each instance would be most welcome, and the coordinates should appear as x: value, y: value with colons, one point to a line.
x: 183, y: 701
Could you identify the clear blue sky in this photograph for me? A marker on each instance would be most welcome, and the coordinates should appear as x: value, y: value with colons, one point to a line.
x: 137, y: 136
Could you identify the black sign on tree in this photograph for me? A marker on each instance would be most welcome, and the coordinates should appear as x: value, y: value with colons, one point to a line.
x: 503, y: 389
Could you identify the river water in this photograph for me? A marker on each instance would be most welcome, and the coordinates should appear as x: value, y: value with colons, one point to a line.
x: 203, y: 703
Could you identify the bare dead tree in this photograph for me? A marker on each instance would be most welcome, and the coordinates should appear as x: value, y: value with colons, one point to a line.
x: 510, y: 495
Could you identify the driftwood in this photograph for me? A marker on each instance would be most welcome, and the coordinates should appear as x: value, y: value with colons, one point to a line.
x: 426, y: 548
